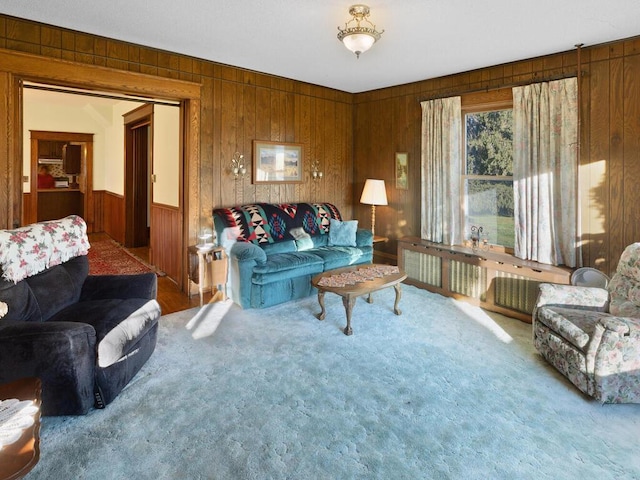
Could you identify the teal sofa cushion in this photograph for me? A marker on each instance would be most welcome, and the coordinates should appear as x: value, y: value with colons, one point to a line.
x: 285, y: 265
x: 336, y: 257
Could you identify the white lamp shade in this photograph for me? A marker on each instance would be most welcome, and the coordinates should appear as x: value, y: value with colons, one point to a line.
x: 374, y: 192
x: 358, y: 42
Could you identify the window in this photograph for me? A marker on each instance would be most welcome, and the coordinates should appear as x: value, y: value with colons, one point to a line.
x: 487, y: 177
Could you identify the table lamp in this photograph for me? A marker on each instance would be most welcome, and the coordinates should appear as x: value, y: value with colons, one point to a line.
x: 373, y: 194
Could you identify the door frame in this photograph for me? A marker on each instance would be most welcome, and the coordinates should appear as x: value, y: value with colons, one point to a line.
x: 17, y: 67
x: 31, y: 215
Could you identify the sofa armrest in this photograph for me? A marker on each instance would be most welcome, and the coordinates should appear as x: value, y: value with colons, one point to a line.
x: 570, y: 296
x: 364, y: 238
x: 245, y: 251
x: 101, y: 287
x: 61, y: 354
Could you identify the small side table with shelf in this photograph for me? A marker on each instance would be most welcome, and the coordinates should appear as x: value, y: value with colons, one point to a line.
x: 208, y: 264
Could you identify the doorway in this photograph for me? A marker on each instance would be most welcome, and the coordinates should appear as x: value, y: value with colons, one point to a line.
x: 68, y: 158
x: 18, y: 68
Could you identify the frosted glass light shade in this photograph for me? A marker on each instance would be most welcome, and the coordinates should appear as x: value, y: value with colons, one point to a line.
x: 358, y: 42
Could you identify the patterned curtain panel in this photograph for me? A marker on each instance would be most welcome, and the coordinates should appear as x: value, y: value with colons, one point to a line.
x: 545, y: 169
x: 441, y: 157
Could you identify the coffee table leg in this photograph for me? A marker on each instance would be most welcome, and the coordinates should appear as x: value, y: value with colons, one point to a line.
x: 321, y: 315
x: 396, y: 310
x: 348, y: 306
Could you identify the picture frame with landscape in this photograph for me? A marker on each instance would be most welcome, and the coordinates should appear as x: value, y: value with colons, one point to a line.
x: 402, y: 171
x: 277, y: 162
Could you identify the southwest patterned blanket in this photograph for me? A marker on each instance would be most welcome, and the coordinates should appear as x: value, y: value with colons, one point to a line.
x: 263, y: 223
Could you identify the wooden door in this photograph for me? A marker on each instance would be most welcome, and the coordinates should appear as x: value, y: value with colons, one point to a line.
x: 138, y: 159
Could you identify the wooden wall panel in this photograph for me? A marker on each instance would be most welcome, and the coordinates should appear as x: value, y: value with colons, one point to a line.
x: 113, y: 216
x: 5, y: 156
x: 226, y: 108
x: 354, y: 137
x: 98, y: 210
x: 631, y: 148
x: 388, y: 120
x: 166, y: 219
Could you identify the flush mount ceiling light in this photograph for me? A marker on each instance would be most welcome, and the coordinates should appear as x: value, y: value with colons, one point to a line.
x: 359, y: 34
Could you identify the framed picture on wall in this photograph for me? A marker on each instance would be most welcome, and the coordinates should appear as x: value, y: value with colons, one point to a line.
x: 402, y: 171
x: 277, y: 162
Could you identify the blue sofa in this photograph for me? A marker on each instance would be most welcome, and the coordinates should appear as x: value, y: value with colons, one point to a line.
x: 275, y: 249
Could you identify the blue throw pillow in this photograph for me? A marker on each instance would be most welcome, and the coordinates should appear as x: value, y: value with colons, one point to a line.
x: 342, y: 234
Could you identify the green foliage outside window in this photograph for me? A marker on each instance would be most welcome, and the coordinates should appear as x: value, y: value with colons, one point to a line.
x: 488, y: 184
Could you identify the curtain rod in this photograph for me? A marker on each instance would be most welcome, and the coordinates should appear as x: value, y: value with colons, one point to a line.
x: 108, y: 96
x: 550, y: 78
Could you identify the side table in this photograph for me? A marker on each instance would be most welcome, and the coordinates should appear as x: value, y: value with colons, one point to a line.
x: 18, y: 458
x: 212, y: 261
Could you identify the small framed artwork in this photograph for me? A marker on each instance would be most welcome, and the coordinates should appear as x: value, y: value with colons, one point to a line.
x: 402, y: 171
x: 277, y: 162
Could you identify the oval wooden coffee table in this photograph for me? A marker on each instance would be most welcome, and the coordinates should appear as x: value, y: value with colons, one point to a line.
x: 353, y: 282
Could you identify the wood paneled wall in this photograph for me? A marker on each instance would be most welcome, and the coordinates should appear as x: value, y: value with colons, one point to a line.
x: 388, y: 121
x: 113, y: 216
x: 244, y: 106
x: 167, y: 239
x: 232, y: 108
x: 354, y: 137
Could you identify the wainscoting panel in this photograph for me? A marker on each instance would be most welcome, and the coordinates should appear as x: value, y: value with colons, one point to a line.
x: 166, y: 244
x: 113, y: 216
x: 495, y: 281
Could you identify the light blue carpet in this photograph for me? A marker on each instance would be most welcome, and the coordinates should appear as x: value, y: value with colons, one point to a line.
x: 443, y: 391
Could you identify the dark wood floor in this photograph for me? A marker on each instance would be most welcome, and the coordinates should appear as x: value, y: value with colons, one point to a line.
x: 170, y: 298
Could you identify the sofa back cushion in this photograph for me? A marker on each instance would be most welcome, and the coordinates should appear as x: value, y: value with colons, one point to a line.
x: 39, y: 297
x: 624, y: 287
x: 268, y: 223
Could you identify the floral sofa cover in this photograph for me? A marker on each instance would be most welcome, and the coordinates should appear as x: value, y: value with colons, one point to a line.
x: 592, y: 335
x: 275, y: 249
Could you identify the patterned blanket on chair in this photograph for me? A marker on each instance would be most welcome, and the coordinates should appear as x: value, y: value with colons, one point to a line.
x: 262, y: 223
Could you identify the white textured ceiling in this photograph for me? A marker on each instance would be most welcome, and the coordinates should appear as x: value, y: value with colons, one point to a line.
x: 297, y: 38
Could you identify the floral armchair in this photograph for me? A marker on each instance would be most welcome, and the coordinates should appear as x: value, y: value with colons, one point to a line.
x: 592, y: 335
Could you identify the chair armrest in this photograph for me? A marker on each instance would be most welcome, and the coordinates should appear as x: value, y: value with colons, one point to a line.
x: 61, y: 354
x: 571, y: 296
x: 101, y: 287
x: 245, y: 251
x: 364, y: 238
x: 616, y: 362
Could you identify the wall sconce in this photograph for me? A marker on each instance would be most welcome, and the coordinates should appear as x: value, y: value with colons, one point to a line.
x: 237, y: 166
x: 316, y: 173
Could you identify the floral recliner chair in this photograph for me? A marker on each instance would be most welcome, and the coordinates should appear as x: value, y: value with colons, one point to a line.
x: 592, y: 335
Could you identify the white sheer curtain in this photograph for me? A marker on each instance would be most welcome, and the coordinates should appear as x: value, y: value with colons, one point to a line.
x: 441, y: 157
x: 545, y: 169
